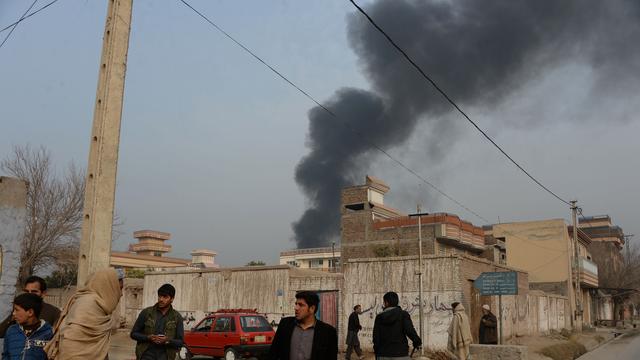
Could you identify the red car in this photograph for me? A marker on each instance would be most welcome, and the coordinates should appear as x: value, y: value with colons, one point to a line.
x: 231, y: 334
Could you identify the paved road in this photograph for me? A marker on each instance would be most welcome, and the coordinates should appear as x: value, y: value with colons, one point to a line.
x: 626, y: 347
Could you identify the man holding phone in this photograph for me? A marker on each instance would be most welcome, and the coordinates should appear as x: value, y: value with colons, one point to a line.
x: 159, y: 330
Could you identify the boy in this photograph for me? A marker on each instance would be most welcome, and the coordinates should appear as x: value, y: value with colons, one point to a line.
x: 26, y: 338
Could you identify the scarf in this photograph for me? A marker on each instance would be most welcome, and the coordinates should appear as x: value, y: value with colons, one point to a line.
x: 459, y: 329
x: 84, y: 328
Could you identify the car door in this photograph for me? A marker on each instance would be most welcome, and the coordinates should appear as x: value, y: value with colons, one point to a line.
x: 199, y: 338
x: 222, y: 334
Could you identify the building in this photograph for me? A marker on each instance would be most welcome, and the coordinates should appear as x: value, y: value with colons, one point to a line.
x: 371, y: 229
x: 325, y: 258
x: 545, y: 250
x: 150, y: 253
x: 607, y: 250
x: 203, y: 258
x: 606, y: 247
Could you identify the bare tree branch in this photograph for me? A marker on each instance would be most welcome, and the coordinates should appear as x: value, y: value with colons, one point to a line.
x: 54, y: 207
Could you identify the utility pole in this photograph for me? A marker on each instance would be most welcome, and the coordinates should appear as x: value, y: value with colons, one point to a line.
x: 99, y: 197
x: 570, y: 288
x: 420, y: 285
x: 576, y: 262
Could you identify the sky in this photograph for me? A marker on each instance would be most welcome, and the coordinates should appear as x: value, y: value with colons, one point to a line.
x: 210, y: 138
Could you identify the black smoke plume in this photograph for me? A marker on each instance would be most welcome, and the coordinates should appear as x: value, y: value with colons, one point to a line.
x: 478, y: 52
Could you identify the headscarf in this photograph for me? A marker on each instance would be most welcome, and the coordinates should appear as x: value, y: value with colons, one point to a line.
x: 84, y: 328
x: 459, y: 329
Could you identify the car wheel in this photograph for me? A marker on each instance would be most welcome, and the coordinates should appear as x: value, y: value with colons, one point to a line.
x: 231, y: 354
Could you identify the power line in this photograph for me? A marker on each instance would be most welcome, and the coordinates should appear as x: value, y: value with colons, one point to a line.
x: 335, y: 116
x: 433, y: 83
x: 16, y: 23
x: 29, y: 15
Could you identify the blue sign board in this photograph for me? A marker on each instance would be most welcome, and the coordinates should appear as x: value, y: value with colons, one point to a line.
x: 497, y: 283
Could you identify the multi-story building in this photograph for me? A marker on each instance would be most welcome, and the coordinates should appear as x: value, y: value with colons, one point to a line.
x: 325, y: 258
x: 545, y: 250
x: 371, y: 229
x: 150, y: 253
x: 606, y: 247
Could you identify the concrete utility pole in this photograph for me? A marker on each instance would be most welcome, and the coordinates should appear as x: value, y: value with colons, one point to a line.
x: 576, y: 262
x: 420, y: 284
x: 99, y: 198
x: 570, y: 289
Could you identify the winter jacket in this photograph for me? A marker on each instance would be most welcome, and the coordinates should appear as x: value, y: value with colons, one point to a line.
x: 49, y: 313
x: 390, y: 331
x: 17, y: 346
x: 325, y: 341
x: 488, y: 333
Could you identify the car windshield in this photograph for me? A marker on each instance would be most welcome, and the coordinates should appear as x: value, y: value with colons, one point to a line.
x: 254, y: 323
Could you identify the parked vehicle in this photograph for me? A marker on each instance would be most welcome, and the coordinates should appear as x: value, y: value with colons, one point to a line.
x: 231, y: 334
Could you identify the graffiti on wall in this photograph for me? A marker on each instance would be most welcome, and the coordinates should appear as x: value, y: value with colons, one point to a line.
x: 437, y: 314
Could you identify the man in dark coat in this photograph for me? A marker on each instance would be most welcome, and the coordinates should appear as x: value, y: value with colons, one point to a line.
x: 391, y: 329
x: 488, y: 325
x: 304, y: 337
x: 353, y: 343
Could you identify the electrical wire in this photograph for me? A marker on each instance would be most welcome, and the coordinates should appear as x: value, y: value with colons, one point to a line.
x: 28, y: 16
x: 334, y: 115
x: 433, y: 83
x: 15, y: 25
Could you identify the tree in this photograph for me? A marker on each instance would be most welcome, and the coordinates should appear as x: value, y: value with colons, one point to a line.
x: 54, y: 209
x: 256, y: 263
x: 62, y: 277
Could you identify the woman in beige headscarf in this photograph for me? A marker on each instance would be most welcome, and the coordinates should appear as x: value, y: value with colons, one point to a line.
x: 459, y: 332
x: 84, y: 328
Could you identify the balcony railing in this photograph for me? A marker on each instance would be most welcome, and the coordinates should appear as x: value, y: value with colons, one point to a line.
x: 588, y: 272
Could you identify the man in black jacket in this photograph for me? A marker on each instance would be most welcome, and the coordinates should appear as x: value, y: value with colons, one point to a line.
x: 391, y: 329
x: 304, y: 337
x: 353, y: 343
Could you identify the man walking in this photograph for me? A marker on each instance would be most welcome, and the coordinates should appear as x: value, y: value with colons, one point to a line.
x: 353, y: 343
x: 159, y: 330
x: 304, y: 337
x: 488, y: 325
x: 49, y: 313
x: 391, y: 329
x: 459, y: 332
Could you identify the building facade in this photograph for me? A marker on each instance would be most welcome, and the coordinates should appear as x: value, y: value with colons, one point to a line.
x: 545, y: 250
x: 149, y: 252
x: 324, y: 259
x: 371, y: 229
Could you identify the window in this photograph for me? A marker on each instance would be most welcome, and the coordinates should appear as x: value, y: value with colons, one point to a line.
x: 316, y: 263
x: 254, y: 324
x: 224, y: 324
x: 157, y: 253
x: 205, y: 325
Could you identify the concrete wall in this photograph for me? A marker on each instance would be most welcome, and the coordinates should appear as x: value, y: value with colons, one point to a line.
x: 13, y: 216
x: 366, y: 281
x: 446, y: 280
x: 270, y: 289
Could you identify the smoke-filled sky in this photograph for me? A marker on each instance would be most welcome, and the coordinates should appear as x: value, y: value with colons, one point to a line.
x: 223, y: 155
